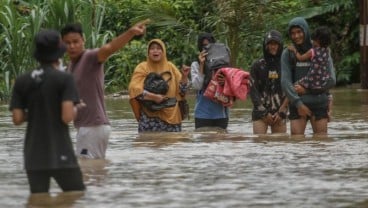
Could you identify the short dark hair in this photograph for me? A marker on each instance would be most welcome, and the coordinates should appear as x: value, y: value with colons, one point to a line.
x: 72, y: 28
x: 323, y: 35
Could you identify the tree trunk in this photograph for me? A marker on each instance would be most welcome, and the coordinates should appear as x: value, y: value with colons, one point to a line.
x: 363, y: 6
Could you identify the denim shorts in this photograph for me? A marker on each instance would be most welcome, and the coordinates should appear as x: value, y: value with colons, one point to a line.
x: 318, y: 112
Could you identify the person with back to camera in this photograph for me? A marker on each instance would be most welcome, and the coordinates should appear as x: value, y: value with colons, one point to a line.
x: 87, y: 67
x: 169, y: 117
x: 45, y: 98
x: 269, y: 101
x: 207, y: 113
x: 304, y: 104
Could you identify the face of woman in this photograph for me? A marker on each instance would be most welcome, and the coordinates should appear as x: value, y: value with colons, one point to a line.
x: 205, y: 42
x: 155, y: 52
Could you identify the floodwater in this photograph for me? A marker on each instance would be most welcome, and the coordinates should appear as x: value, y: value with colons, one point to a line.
x: 209, y: 169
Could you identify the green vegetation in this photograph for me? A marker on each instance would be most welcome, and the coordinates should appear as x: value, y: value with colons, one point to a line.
x: 239, y: 23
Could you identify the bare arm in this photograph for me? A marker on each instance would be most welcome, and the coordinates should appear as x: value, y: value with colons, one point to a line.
x: 301, y: 57
x: 67, y: 111
x: 117, y: 43
x: 304, y: 57
x: 19, y: 116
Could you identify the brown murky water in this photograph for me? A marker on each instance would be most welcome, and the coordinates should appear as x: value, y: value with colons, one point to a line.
x: 209, y: 169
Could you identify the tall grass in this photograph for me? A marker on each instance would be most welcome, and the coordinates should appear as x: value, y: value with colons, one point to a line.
x: 20, y: 21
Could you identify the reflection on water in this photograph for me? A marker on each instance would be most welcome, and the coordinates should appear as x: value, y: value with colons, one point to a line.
x: 60, y: 199
x: 209, y: 168
x: 94, y: 171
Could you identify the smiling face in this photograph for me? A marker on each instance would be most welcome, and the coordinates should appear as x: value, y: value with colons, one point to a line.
x: 273, y: 47
x: 297, y: 35
x: 155, y: 52
x: 74, y: 45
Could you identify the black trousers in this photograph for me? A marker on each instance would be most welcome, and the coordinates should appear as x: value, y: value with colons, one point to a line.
x: 221, y: 122
x: 69, y: 179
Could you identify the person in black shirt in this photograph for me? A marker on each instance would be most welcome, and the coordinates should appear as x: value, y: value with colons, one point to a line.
x: 46, y: 99
x: 269, y: 101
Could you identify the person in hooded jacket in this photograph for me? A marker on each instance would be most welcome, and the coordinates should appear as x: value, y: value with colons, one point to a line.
x: 269, y: 103
x: 304, y: 104
x: 207, y: 113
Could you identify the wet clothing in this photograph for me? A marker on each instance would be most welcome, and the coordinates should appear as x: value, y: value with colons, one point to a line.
x: 92, y: 141
x: 293, y: 70
x: 318, y: 112
x: 266, y: 92
x: 318, y: 75
x: 155, y: 124
x: 205, y: 108
x: 221, y: 122
x: 207, y: 113
x: 69, y: 179
x: 169, y: 115
x: 89, y: 77
x: 40, y: 93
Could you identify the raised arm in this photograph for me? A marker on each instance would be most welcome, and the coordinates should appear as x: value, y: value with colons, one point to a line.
x: 196, y: 76
x: 197, y: 71
x: 117, y: 43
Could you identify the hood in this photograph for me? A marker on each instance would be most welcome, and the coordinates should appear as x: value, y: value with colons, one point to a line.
x: 301, y: 23
x: 162, y: 44
x: 163, y: 63
x: 275, y: 36
x: 204, y: 36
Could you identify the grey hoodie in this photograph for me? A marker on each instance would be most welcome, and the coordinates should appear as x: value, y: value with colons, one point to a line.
x: 292, y: 70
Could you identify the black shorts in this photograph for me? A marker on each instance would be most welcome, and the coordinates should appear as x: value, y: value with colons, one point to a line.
x: 221, y: 122
x: 317, y: 112
x: 69, y: 179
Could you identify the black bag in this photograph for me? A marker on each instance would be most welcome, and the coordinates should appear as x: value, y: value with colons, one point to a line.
x: 218, y: 56
x: 156, y: 83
